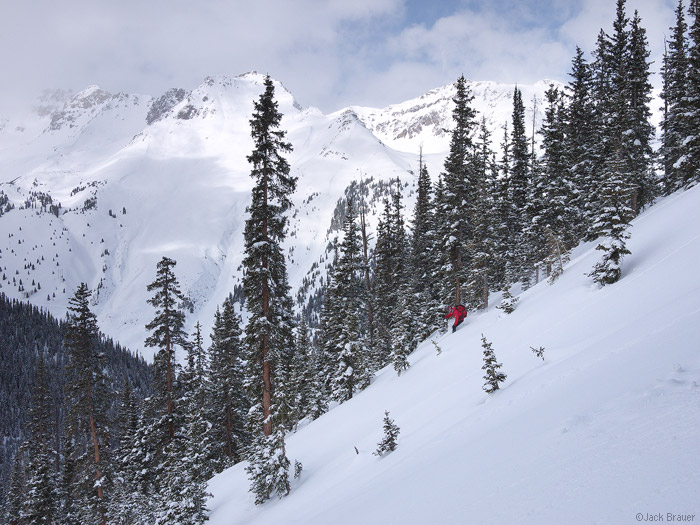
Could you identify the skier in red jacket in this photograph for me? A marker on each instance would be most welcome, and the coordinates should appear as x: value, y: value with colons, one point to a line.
x: 459, y: 312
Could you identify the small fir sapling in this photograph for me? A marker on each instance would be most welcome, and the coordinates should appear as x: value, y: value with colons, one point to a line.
x: 298, y: 467
x: 391, y: 432
x: 493, y: 377
x: 539, y: 352
x: 437, y: 348
x: 508, y: 302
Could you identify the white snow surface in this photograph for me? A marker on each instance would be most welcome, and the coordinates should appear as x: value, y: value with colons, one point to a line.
x: 604, y: 430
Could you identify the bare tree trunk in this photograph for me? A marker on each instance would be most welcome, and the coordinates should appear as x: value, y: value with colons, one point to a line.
x: 485, y: 297
x: 169, y: 378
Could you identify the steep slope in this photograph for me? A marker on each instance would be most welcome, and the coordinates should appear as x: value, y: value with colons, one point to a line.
x: 103, y: 185
x: 601, y: 430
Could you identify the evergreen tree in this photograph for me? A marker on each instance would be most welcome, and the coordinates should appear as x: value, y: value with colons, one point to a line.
x: 228, y: 401
x: 87, y: 427
x: 168, y: 333
x: 492, y: 376
x: 385, y: 287
x: 519, y: 184
x: 579, y: 145
x: 391, y: 433
x: 16, y: 491
x: 613, y: 225
x: 424, y: 257
x: 483, y: 244
x: 674, y: 124
x: 454, y: 228
x: 304, y: 374
x: 268, y: 336
x: 639, y: 133
x: 350, y: 355
x: 40, y: 504
x: 689, y: 162
x: 188, y: 464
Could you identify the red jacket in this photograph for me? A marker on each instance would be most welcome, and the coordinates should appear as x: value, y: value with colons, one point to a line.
x: 459, y: 312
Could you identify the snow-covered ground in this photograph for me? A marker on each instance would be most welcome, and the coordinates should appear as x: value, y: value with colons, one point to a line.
x: 604, y: 430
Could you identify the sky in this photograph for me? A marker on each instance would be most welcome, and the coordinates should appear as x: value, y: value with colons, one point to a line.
x: 329, y: 54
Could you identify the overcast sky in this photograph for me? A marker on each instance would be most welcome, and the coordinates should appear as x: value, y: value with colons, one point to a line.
x: 329, y: 54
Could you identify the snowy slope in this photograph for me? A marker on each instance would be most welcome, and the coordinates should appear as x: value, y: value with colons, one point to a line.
x: 138, y: 178
x: 605, y: 428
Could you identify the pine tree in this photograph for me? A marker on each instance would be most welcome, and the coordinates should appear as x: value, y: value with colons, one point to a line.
x: 40, y: 504
x: 16, y: 490
x: 640, y: 132
x: 519, y: 184
x: 188, y: 464
x: 454, y: 229
x: 424, y: 257
x: 304, y: 374
x: 228, y: 401
x: 613, y: 225
x: 579, y: 145
x: 481, y: 211
x: 168, y: 333
x: 87, y: 427
x: 350, y: 354
x: 492, y: 376
x: 268, y: 336
x: 391, y: 433
x: 385, y: 287
x: 674, y: 125
x: 689, y: 163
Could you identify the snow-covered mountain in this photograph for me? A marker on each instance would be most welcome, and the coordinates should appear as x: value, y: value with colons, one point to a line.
x: 103, y: 185
x: 603, y: 429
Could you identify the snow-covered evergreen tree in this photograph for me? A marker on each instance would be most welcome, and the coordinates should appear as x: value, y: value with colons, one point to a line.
x: 85, y: 401
x: 674, y: 125
x: 40, y: 503
x: 228, y: 401
x: 351, y: 369
x: 269, y: 338
x: 391, y: 433
x: 454, y: 228
x: 613, y: 224
x: 491, y: 368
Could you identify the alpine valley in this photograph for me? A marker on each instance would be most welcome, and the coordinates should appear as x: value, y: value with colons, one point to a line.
x: 97, y: 187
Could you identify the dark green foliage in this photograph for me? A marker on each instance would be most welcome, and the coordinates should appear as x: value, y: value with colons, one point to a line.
x: 269, y: 339
x: 391, y: 433
x: 228, y: 402
x: 492, y: 376
x: 453, y: 225
x: 86, y: 398
x: 25, y: 333
x: 348, y: 351
x: 539, y: 352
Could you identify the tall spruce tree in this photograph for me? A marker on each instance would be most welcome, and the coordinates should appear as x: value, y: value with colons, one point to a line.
x: 689, y: 162
x: 87, y: 427
x: 269, y: 338
x: 40, y: 503
x: 351, y: 370
x: 639, y: 132
x: 579, y: 144
x: 168, y: 333
x: 424, y: 257
x: 674, y: 124
x: 519, y: 185
x: 454, y: 228
x: 228, y: 400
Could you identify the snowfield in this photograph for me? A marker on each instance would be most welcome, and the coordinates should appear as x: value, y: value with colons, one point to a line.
x: 604, y: 430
